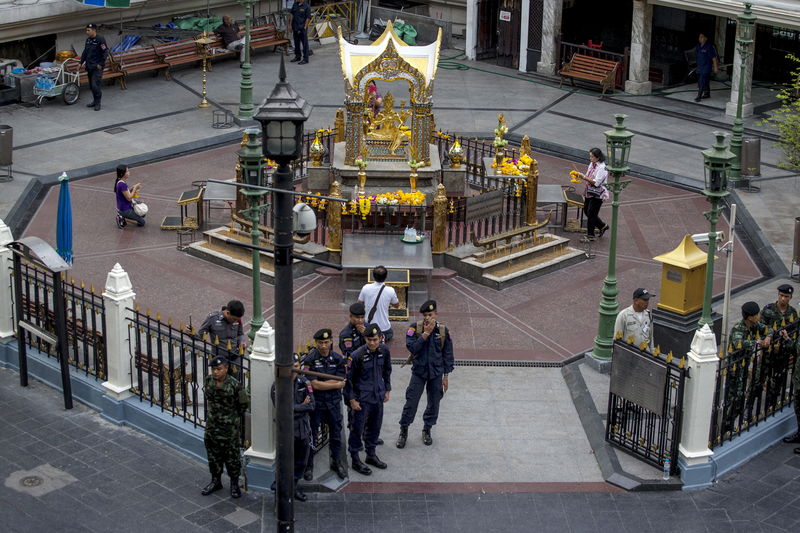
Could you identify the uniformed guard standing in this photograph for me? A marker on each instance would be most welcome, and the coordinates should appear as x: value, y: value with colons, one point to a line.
x: 93, y: 59
x: 776, y: 317
x: 368, y: 387
x: 432, y: 360
x: 226, y: 403
x: 746, y: 337
x: 303, y: 407
x: 352, y: 336
x: 224, y: 327
x: 327, y: 399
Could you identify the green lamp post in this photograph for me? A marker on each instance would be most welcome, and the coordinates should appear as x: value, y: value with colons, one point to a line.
x: 747, y: 25
x: 717, y: 162
x: 618, y: 146
x: 251, y: 161
x: 246, y: 85
x: 282, y: 117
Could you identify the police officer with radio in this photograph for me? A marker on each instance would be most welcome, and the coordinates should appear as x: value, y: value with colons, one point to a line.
x: 367, y: 389
x: 93, y: 59
x: 351, y: 337
x: 431, y: 349
x: 327, y: 399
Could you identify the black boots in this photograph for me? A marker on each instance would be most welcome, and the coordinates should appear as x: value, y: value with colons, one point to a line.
x: 374, y: 461
x: 427, y: 440
x: 214, y: 486
x: 360, y: 467
x: 338, y: 468
x: 308, y: 475
x: 792, y: 438
x: 401, y: 440
x: 236, y: 492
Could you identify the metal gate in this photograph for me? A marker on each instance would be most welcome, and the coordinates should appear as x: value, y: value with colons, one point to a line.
x: 508, y: 33
x: 486, y: 45
x: 645, y: 404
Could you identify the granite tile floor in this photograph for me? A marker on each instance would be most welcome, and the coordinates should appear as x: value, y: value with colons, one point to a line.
x: 115, y: 479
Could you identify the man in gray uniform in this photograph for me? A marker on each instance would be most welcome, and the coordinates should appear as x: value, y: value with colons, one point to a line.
x: 224, y: 328
x: 636, y: 321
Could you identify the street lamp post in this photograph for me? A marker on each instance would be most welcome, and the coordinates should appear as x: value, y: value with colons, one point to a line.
x: 251, y: 161
x: 246, y: 85
x: 618, y: 145
x: 716, y: 165
x: 282, y: 117
x: 747, y: 24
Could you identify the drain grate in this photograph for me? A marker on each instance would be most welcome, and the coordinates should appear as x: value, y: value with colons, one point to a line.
x: 114, y: 131
x: 31, y: 481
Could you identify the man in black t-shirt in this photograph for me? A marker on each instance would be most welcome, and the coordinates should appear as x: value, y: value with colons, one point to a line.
x: 229, y: 33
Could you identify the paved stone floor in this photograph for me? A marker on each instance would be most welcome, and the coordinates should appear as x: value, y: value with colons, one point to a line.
x: 97, y: 477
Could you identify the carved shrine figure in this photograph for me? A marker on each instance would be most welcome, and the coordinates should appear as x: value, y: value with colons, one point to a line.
x: 387, y: 124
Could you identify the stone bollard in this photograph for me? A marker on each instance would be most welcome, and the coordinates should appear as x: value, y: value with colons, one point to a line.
x: 7, y: 328
x: 118, y: 297
x: 698, y: 403
x: 261, y: 469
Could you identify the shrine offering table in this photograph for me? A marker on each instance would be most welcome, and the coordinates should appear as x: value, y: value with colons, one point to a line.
x: 364, y: 251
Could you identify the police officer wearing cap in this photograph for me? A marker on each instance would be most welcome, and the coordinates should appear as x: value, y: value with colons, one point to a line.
x: 367, y: 389
x: 303, y: 395
x: 636, y: 321
x: 93, y: 59
x: 352, y: 336
x: 431, y: 349
x: 224, y: 329
x: 327, y: 398
x: 226, y: 402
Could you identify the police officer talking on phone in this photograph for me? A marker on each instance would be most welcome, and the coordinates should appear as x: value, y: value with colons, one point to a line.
x: 431, y: 349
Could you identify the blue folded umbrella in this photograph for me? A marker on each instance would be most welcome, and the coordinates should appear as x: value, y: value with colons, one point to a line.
x: 64, y: 220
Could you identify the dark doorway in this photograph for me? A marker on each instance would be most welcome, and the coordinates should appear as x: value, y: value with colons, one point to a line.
x: 487, y: 29
x: 508, y: 33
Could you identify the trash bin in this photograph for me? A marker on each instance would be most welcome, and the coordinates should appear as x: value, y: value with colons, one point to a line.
x: 751, y: 156
x: 6, y: 145
x: 25, y: 83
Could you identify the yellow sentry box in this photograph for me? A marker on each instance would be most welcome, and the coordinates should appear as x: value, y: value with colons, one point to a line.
x: 683, y: 275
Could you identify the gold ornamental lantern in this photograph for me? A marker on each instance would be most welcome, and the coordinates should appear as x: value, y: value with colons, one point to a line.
x: 316, y: 152
x: 456, y: 153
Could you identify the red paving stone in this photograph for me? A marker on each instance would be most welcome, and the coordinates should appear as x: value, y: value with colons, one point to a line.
x: 550, y: 318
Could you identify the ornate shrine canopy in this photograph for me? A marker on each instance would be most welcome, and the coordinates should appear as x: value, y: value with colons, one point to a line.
x: 423, y: 59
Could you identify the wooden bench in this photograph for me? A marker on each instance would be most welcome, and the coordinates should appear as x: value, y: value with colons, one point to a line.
x: 143, y: 59
x: 111, y: 71
x: 583, y: 67
x: 260, y: 37
x: 176, y: 53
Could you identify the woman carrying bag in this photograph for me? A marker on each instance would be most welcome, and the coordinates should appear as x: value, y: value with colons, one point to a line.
x: 594, y: 193
x: 128, y: 208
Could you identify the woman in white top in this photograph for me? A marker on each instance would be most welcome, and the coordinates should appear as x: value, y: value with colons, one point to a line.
x: 594, y: 193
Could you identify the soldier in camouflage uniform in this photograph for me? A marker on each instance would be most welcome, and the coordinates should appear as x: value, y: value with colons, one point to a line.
x: 746, y: 336
x: 776, y: 317
x: 226, y: 403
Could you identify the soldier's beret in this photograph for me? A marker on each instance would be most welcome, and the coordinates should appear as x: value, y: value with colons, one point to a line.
x: 372, y: 330
x: 218, y: 360
x: 786, y: 289
x: 750, y: 309
x: 322, y: 335
x: 428, y: 306
x: 357, y: 309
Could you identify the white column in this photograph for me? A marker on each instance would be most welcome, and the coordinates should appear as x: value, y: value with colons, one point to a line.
x: 524, y: 24
x: 698, y: 398
x: 720, y: 33
x: 262, y: 412
x: 118, y: 297
x: 6, y: 292
x: 641, y: 33
x: 471, y: 41
x: 551, y: 27
x: 747, y: 107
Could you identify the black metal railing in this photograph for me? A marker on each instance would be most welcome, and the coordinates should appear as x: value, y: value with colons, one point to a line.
x: 85, y: 319
x: 169, y: 366
x: 647, y: 427
x: 476, y: 152
x: 461, y: 228
x: 753, y: 384
x: 300, y: 166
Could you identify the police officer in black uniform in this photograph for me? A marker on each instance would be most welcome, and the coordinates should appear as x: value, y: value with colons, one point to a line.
x: 367, y: 389
x: 224, y: 328
x: 352, y: 336
x: 327, y: 398
x: 93, y: 59
x: 431, y: 361
x: 303, y: 407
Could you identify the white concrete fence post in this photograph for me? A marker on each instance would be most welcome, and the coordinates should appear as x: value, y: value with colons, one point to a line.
x: 262, y: 376
x: 118, y: 297
x: 7, y: 328
x: 698, y: 404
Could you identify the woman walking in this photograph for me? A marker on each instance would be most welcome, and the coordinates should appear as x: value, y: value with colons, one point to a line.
x: 125, y: 198
x: 594, y: 193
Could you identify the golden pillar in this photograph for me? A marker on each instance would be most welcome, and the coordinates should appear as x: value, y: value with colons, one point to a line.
x: 439, y: 242
x: 335, y: 219
x: 338, y: 126
x: 532, y: 186
x: 354, y: 131
x: 421, y: 132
